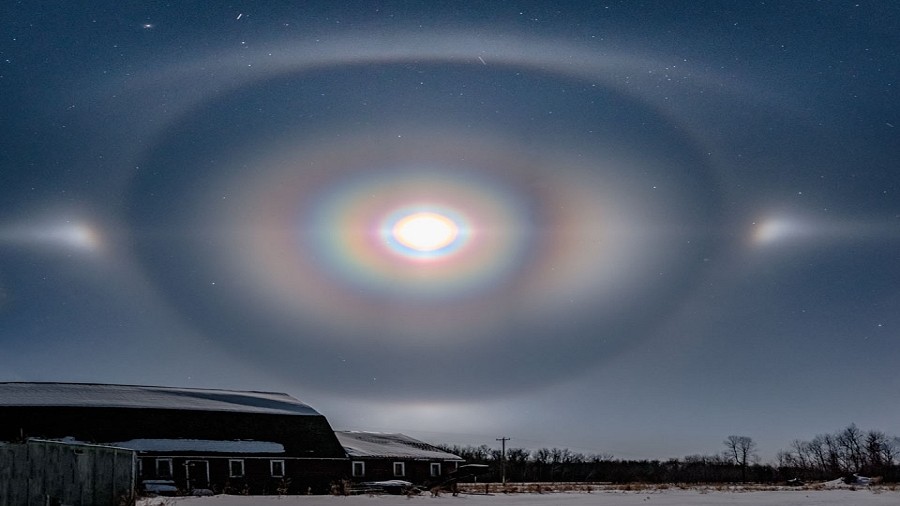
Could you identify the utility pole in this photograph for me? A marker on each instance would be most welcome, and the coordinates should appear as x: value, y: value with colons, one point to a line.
x: 503, y: 441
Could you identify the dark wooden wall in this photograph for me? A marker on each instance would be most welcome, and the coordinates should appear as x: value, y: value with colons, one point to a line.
x: 42, y: 472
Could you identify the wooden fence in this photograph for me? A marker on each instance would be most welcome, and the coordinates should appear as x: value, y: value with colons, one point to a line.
x: 46, y: 473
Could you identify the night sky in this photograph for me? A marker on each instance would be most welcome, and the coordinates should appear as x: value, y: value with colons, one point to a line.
x: 632, y: 228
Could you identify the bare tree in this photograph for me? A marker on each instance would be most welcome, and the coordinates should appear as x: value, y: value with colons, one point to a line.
x: 517, y: 463
x: 801, y: 454
x: 850, y: 441
x: 833, y: 451
x: 740, y: 450
x: 874, y: 446
x: 541, y: 458
x: 785, y: 459
x: 818, y: 450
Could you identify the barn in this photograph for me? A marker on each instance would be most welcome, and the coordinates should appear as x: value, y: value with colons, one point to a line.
x: 186, y: 438
x: 377, y: 456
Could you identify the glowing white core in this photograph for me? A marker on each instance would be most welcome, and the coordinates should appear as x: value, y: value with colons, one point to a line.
x: 425, y: 231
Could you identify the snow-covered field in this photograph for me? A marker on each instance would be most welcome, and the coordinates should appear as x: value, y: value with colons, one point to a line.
x: 668, y: 497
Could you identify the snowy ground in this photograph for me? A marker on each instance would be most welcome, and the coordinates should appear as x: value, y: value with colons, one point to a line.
x: 669, y: 497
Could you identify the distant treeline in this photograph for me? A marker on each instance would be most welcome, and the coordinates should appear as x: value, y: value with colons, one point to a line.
x: 826, y: 457
x: 849, y: 451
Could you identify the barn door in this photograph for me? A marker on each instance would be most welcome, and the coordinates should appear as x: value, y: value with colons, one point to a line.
x: 197, y: 474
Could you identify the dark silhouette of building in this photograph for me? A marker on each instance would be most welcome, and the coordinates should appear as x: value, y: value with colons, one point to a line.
x: 186, y: 438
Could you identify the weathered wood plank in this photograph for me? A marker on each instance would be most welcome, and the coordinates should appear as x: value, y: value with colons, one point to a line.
x: 38, y: 472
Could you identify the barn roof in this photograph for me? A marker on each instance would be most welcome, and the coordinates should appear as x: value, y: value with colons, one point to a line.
x: 379, y: 444
x: 148, y: 397
x: 201, y: 445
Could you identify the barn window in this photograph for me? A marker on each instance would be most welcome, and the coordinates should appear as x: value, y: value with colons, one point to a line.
x: 359, y: 469
x: 235, y: 468
x: 277, y: 468
x: 399, y: 469
x: 435, y: 469
x: 163, y: 468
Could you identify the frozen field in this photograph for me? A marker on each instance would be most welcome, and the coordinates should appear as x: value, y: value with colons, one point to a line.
x: 670, y: 497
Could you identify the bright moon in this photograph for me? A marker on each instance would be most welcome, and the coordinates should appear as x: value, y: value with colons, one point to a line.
x: 425, y: 231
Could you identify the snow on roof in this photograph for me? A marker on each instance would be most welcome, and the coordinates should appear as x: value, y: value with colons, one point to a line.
x: 131, y: 396
x: 201, y: 445
x: 379, y: 444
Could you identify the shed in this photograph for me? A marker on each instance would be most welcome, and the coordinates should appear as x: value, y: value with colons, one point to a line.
x: 378, y: 456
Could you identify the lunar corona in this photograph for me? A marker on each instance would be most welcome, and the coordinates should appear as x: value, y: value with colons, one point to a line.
x: 467, y: 236
x: 425, y: 231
